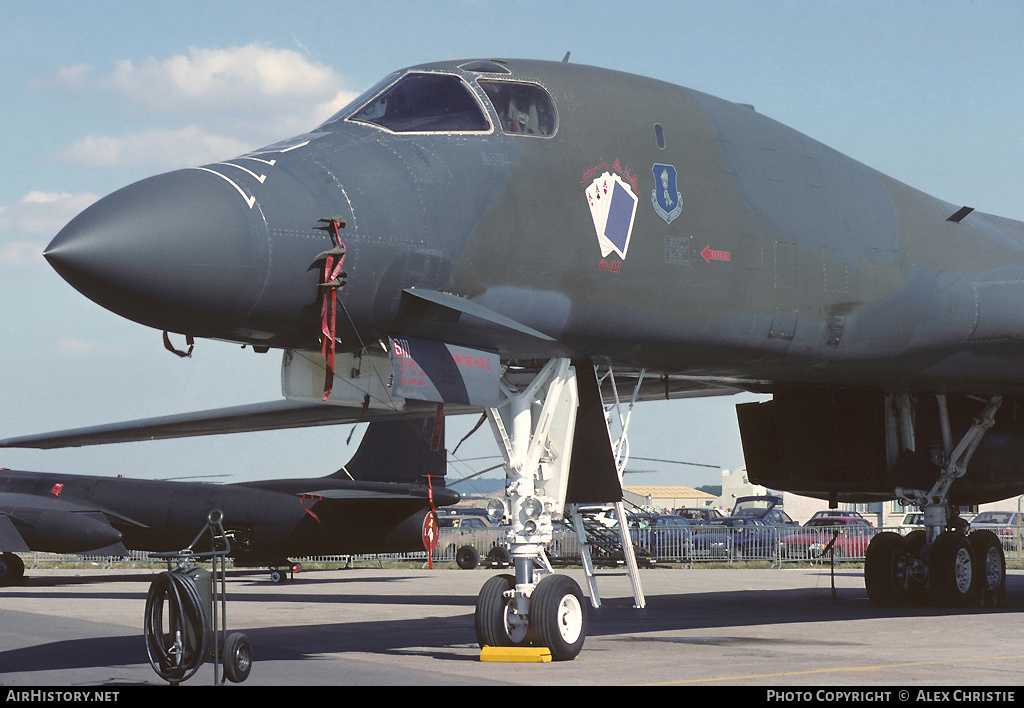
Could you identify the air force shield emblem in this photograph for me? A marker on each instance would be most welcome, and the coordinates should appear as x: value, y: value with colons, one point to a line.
x: 668, y: 202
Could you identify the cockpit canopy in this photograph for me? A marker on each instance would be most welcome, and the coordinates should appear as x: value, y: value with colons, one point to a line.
x: 427, y: 102
x: 523, y: 109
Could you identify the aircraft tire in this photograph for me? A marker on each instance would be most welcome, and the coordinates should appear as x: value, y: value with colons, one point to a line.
x: 278, y: 576
x: 990, y: 563
x: 952, y: 570
x: 558, y: 616
x: 499, y: 556
x: 237, y: 657
x: 12, y: 569
x: 916, y: 591
x: 881, y: 568
x: 491, y: 617
x: 467, y: 557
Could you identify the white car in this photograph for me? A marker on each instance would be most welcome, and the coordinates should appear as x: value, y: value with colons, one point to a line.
x: 1007, y: 525
x: 912, y: 521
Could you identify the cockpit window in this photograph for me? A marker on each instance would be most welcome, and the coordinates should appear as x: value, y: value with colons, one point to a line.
x: 361, y: 98
x: 425, y: 103
x: 523, y: 109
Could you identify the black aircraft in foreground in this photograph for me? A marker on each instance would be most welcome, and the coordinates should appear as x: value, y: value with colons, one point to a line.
x: 380, y: 502
x: 501, y: 228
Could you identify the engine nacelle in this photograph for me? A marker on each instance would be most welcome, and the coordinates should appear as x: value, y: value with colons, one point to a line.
x: 850, y: 444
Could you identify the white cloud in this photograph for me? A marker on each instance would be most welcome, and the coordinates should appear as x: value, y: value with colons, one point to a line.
x: 28, y: 225
x: 159, y: 149
x: 257, y: 76
x: 215, y: 78
x: 67, y: 78
x: 21, y: 252
x: 234, y: 100
x: 38, y: 197
x: 323, y: 111
x: 256, y: 93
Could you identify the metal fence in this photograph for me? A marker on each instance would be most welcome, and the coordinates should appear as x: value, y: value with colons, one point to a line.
x: 776, y: 545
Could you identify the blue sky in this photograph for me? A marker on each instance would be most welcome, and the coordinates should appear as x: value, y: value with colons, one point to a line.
x: 99, y: 94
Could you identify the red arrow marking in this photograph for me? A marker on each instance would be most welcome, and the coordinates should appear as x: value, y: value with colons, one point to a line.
x: 710, y: 255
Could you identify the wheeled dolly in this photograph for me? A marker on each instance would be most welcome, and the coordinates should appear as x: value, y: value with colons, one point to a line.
x: 195, y: 627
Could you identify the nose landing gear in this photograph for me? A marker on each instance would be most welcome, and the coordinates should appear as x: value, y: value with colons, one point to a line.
x: 535, y: 429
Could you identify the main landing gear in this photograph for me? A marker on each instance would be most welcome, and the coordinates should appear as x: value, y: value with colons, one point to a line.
x: 954, y: 570
x: 940, y: 564
x: 283, y: 572
x: 12, y: 569
x: 535, y: 428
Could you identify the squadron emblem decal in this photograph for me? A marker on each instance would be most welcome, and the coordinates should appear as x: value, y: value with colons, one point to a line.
x: 613, y: 207
x: 668, y: 202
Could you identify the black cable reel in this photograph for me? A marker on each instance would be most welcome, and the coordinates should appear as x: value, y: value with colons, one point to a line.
x: 185, y: 619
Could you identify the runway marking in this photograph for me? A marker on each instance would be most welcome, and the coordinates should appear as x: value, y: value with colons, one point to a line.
x: 838, y: 668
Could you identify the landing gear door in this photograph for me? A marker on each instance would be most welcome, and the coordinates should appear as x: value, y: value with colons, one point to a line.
x: 427, y: 370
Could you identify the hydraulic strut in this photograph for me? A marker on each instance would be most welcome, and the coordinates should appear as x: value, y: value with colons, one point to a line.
x: 934, y: 502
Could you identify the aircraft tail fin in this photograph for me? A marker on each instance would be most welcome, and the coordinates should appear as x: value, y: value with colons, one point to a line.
x: 399, y: 451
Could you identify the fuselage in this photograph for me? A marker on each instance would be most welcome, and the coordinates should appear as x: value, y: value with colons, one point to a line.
x: 629, y: 220
x: 269, y: 521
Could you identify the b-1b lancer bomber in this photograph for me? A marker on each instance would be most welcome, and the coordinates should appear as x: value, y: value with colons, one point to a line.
x: 482, y: 234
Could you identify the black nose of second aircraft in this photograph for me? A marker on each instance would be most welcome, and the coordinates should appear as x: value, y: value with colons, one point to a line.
x: 180, y: 251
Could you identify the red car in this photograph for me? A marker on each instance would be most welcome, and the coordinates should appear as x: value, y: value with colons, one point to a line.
x: 852, y: 536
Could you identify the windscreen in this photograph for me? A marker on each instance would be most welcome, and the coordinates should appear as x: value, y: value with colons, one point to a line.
x: 361, y: 99
x: 425, y: 103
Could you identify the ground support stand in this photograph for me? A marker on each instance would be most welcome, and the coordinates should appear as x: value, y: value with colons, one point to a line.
x: 196, y: 602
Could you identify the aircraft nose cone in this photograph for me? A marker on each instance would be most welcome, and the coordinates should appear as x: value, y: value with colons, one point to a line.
x: 91, y: 531
x: 177, y: 251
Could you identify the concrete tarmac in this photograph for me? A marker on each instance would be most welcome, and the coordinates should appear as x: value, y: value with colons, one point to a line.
x: 769, y: 628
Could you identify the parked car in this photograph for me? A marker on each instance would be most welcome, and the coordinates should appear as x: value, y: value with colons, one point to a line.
x: 1007, y: 525
x: 470, y: 537
x: 915, y: 520
x: 852, y: 537
x: 912, y: 521
x: 767, y: 508
x: 735, y: 538
x: 833, y: 513
x: 664, y: 536
x: 461, y: 512
x: 463, y: 522
x: 698, y: 515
